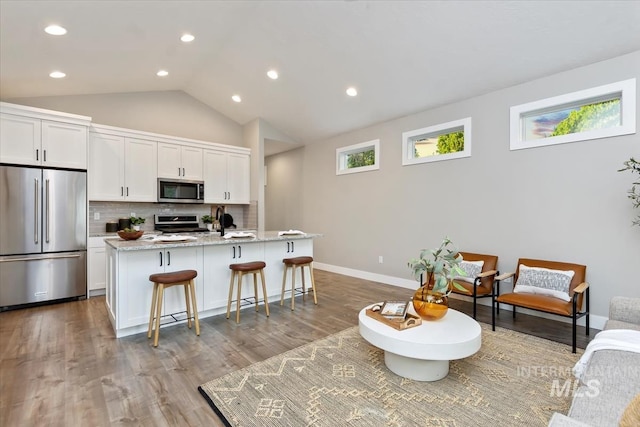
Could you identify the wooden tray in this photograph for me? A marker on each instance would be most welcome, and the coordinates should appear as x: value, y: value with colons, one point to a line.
x: 410, y: 321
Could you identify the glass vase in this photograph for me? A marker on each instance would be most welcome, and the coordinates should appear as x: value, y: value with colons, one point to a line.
x: 430, y: 305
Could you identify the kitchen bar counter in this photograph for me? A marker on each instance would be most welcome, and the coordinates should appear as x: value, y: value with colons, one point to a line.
x: 130, y: 263
x: 203, y: 239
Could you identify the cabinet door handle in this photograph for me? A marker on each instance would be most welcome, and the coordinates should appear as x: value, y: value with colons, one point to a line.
x: 288, y: 247
x: 178, y: 171
x: 122, y: 191
x: 44, y: 155
x: 37, y: 154
x: 160, y: 259
x: 183, y: 172
x: 239, y: 251
x: 293, y: 247
x: 234, y: 252
x: 168, y: 258
x: 127, y: 191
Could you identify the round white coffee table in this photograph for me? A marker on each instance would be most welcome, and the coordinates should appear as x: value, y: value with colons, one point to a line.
x: 422, y: 353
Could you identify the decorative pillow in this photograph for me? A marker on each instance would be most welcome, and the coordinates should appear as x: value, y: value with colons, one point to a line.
x: 631, y: 415
x: 472, y: 268
x: 544, y: 281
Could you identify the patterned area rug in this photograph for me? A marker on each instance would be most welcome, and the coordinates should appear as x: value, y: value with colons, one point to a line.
x: 341, y: 380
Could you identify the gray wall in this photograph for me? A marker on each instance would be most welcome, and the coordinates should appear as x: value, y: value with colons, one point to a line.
x: 283, y: 192
x: 173, y: 113
x: 565, y: 202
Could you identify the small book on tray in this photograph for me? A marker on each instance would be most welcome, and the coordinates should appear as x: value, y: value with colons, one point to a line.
x: 394, y: 309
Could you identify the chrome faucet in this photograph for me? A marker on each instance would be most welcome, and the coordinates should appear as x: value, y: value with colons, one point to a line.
x: 220, y: 218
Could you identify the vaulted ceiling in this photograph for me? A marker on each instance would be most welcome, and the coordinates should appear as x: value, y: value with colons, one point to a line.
x: 401, y: 56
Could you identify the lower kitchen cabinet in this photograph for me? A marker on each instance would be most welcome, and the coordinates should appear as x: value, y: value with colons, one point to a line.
x: 133, y: 303
x: 96, y: 262
x: 275, y: 252
x: 217, y: 259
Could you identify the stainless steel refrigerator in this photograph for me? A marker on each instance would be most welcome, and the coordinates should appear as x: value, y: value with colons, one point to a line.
x: 43, y: 240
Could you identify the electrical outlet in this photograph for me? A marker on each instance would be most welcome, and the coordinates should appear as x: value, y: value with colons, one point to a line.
x: 133, y: 214
x: 96, y: 216
x: 380, y: 259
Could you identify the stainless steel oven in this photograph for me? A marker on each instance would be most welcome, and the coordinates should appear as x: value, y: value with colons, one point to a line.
x: 180, y: 191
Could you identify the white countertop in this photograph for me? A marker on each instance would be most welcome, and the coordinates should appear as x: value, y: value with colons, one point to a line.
x: 202, y: 239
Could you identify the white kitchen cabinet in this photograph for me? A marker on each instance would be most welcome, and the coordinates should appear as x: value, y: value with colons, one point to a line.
x: 32, y: 141
x: 217, y: 259
x: 20, y: 140
x: 64, y: 145
x: 275, y: 252
x: 179, y: 162
x: 135, y: 289
x: 122, y: 168
x: 96, y: 262
x: 226, y: 177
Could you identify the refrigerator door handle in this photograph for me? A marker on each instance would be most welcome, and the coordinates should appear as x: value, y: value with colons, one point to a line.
x: 39, y: 259
x: 35, y: 211
x: 47, y: 208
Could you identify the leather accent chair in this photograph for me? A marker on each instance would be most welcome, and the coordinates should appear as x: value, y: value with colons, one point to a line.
x: 578, y: 294
x: 482, y: 286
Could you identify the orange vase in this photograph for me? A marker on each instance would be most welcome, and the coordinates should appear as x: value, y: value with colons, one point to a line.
x: 430, y: 305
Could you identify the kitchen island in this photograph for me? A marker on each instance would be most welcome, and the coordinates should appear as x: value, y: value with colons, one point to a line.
x: 130, y: 263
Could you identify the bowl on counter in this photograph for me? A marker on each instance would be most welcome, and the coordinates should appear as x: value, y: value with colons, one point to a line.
x: 130, y: 235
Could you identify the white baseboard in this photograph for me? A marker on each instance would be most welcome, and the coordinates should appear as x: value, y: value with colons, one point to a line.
x: 595, y: 322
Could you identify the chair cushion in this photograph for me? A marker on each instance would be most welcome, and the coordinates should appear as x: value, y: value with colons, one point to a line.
x: 538, y: 302
x: 544, y: 281
x: 472, y: 268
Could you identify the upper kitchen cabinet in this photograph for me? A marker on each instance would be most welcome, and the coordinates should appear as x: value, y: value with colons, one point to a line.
x: 32, y: 136
x: 179, y: 161
x: 226, y: 177
x: 122, y: 168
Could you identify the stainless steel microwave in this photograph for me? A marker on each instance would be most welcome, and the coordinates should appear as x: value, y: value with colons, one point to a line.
x: 180, y: 191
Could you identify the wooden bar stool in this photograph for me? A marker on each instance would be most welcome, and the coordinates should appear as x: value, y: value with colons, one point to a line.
x: 239, y: 270
x: 293, y: 263
x: 161, y: 281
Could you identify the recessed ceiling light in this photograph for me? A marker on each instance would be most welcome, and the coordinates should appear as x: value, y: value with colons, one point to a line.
x: 187, y: 38
x: 273, y: 74
x: 55, y: 30
x: 236, y: 98
x: 57, y: 74
x: 352, y: 91
x: 162, y: 73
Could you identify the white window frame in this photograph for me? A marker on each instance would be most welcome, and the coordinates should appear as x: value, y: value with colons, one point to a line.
x: 624, y: 90
x: 408, y: 139
x: 342, y: 153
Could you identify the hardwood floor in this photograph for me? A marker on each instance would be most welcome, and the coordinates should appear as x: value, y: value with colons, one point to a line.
x: 61, y: 364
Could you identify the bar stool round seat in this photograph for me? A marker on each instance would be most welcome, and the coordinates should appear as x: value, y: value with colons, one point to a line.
x: 293, y: 263
x: 162, y: 281
x: 238, y: 271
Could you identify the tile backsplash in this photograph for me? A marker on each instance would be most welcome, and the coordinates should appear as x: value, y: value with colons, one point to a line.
x: 244, y: 216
